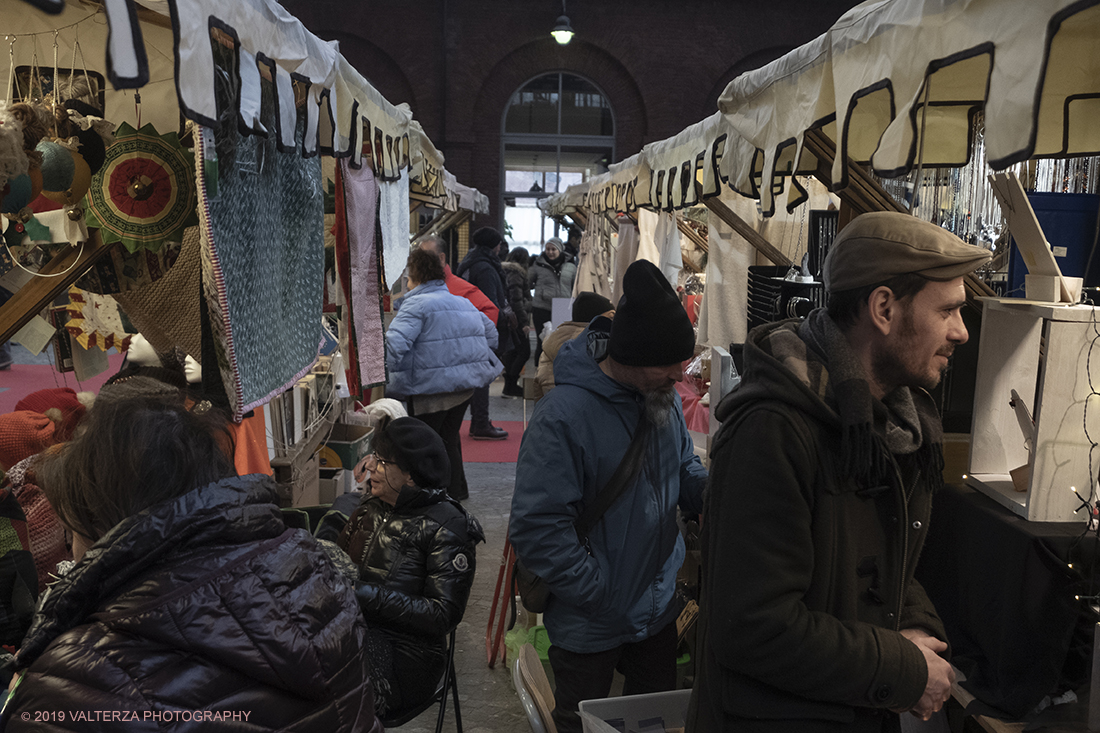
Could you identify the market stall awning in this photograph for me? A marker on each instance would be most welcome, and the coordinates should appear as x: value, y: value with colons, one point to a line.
x: 889, y: 68
x: 677, y: 162
x: 566, y: 202
x: 344, y: 112
x: 624, y: 187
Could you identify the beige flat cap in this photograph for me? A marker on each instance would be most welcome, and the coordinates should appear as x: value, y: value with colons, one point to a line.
x: 878, y: 246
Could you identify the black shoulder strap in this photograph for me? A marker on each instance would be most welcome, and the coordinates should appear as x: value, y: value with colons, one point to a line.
x: 622, y: 479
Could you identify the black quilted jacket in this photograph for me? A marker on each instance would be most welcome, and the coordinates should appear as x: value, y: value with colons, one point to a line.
x: 416, y: 562
x: 200, y: 606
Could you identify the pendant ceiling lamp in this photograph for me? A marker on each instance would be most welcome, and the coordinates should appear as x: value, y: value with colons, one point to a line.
x: 563, y: 31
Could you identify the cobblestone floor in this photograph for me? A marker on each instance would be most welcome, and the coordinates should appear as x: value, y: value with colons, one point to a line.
x: 488, y: 701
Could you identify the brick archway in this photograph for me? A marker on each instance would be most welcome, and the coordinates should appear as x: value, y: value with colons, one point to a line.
x: 522, y: 65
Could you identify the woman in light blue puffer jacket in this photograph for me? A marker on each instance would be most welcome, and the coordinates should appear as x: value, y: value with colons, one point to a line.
x: 438, y: 350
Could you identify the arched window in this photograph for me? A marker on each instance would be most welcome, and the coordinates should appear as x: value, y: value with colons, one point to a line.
x: 558, y: 130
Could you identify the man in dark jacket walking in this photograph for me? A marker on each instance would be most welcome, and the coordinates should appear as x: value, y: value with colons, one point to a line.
x: 613, y: 597
x: 482, y: 267
x: 821, y: 484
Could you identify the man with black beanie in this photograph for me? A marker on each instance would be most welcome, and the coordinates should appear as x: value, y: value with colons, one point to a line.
x: 481, y: 267
x: 612, y: 604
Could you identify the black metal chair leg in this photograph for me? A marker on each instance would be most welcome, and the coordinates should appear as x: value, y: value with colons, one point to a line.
x: 454, y: 691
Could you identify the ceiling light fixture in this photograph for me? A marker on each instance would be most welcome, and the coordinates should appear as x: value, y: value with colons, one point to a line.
x: 563, y: 31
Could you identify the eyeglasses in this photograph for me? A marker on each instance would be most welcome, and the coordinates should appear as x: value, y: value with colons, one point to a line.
x: 381, y: 461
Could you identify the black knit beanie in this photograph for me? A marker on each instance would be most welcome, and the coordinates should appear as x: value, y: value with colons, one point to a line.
x: 486, y: 237
x: 651, y: 327
x: 588, y: 305
x: 417, y: 449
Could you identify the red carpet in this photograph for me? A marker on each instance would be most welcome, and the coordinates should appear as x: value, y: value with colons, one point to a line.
x: 22, y: 379
x: 490, y: 451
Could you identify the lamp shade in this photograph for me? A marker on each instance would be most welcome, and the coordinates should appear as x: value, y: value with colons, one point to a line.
x: 563, y: 31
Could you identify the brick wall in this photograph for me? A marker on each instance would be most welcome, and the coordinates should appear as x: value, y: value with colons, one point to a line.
x: 661, y: 64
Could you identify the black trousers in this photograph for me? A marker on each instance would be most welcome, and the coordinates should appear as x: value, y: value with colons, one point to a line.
x: 447, y: 424
x: 648, y: 665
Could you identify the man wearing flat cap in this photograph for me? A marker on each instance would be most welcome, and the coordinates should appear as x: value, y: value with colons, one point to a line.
x: 822, y: 477
x: 612, y: 596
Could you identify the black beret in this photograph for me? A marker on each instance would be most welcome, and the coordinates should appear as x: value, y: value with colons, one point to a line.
x: 419, y: 450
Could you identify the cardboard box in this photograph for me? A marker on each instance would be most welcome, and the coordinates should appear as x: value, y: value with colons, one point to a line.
x: 653, y: 713
x: 346, y: 446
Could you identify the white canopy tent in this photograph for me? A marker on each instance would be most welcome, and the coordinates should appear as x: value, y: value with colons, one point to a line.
x: 889, y: 69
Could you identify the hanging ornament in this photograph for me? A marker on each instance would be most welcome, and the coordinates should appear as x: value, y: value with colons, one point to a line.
x: 145, y: 193
x: 22, y: 190
x: 94, y: 320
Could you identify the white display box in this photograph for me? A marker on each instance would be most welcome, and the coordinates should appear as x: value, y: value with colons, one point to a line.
x: 656, y: 712
x: 1041, y: 350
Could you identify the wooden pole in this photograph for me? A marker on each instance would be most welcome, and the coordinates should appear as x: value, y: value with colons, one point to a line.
x: 743, y: 228
x: 41, y: 291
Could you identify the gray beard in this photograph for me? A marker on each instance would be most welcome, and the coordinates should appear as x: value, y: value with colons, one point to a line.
x: 658, y: 406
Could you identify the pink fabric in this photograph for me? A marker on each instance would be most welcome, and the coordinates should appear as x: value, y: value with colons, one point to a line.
x: 361, y: 194
x: 696, y: 416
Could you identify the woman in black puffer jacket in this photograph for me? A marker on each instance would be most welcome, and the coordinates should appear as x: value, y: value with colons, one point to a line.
x: 414, y: 547
x: 190, y: 606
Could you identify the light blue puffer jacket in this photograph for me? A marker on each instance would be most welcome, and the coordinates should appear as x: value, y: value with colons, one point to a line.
x: 439, y: 342
x: 622, y: 592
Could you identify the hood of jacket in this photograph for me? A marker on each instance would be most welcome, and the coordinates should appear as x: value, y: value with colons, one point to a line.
x: 123, y: 578
x: 577, y: 363
x: 783, y: 362
x: 779, y: 365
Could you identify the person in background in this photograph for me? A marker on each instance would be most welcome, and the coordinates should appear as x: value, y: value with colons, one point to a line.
x: 414, y: 550
x: 519, y: 296
x: 187, y: 592
x: 822, y: 477
x: 612, y: 602
x: 572, y: 245
x: 455, y: 284
x: 438, y: 350
x: 482, y: 268
x: 587, y: 306
x: 552, y: 276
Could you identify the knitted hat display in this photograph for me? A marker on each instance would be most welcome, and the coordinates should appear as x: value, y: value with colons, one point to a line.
x: 22, y: 434
x: 588, y: 305
x: 420, y: 448
x: 136, y: 385
x: 486, y: 237
x: 65, y: 400
x: 651, y: 327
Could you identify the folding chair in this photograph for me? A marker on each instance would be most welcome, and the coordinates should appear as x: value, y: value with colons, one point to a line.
x: 447, y: 685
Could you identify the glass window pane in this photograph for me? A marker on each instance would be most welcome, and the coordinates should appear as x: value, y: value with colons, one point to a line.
x: 584, y: 110
x: 527, y: 225
x: 534, y: 108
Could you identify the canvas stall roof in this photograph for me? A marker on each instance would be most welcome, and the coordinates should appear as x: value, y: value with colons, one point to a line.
x: 427, y: 177
x: 697, y: 154
x: 624, y: 187
x: 470, y: 199
x: 1031, y: 66
x: 344, y: 110
x: 568, y: 201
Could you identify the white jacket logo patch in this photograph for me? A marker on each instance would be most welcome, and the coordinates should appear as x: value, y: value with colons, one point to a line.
x: 461, y: 563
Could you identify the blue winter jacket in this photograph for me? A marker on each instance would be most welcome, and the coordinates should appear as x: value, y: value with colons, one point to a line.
x: 578, y: 434
x: 439, y: 342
